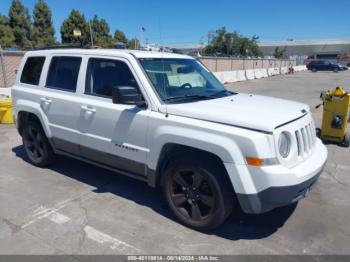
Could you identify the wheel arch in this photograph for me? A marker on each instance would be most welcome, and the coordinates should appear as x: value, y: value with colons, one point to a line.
x: 170, y: 150
x: 30, y: 111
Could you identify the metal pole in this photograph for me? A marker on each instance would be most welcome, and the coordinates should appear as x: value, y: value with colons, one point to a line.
x: 91, y: 38
x: 4, y: 75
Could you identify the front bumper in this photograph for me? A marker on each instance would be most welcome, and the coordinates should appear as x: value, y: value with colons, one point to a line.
x: 273, y: 197
x: 275, y: 186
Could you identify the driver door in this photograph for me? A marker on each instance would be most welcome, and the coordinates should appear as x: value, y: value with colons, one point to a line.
x: 112, y: 134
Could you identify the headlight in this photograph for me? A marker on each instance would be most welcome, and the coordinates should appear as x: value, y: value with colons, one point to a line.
x: 284, y: 144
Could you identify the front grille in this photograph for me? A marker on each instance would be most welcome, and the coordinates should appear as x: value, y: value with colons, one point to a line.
x: 306, y: 138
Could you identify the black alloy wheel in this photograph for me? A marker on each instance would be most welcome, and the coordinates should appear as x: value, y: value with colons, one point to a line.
x: 192, y: 195
x: 36, y: 145
x: 198, y: 193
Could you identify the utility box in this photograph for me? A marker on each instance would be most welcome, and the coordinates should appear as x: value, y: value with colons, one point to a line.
x: 6, y: 111
x: 336, y: 116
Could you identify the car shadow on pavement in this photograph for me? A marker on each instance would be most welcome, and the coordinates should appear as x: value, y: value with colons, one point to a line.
x: 237, y: 226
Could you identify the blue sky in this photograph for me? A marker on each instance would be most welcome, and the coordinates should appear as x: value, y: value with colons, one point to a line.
x: 188, y: 21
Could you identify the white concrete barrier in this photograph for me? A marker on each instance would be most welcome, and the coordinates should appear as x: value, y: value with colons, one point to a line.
x: 258, y: 73
x: 270, y: 71
x: 284, y: 70
x: 226, y: 76
x: 299, y: 68
x: 240, y: 74
x: 264, y: 72
x: 276, y: 71
x: 303, y: 68
x: 219, y: 76
x: 249, y: 73
x: 231, y: 76
x: 5, y: 91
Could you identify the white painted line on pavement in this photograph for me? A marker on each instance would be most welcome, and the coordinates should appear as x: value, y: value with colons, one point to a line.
x: 50, y: 213
x: 102, y: 238
x: 58, y: 218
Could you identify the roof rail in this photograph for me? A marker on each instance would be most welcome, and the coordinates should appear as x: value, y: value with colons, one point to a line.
x: 66, y: 47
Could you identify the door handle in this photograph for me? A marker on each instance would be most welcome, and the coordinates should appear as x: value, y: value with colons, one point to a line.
x: 88, y: 109
x: 46, y: 100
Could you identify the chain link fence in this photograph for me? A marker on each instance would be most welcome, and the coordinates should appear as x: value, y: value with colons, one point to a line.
x: 10, y: 61
x: 222, y: 64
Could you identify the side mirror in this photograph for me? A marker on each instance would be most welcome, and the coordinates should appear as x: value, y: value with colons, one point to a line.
x: 127, y: 95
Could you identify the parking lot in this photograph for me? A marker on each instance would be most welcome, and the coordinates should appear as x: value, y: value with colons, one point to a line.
x: 77, y: 208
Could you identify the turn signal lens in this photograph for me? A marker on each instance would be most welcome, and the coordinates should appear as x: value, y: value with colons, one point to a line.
x: 253, y: 161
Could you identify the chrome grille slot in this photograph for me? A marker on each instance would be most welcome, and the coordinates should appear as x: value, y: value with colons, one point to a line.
x: 308, y: 136
x: 305, y: 139
x: 297, y: 136
x: 303, y: 135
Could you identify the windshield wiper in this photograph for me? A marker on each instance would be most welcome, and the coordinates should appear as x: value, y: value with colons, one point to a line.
x: 221, y: 92
x: 186, y: 97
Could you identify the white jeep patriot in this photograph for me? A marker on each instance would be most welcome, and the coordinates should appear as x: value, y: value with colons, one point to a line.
x: 165, y: 119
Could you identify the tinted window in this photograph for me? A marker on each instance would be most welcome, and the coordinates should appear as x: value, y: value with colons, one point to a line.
x: 103, y: 74
x: 32, y: 70
x: 63, y: 73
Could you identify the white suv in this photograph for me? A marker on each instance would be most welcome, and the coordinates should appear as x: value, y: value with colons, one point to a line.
x: 165, y: 119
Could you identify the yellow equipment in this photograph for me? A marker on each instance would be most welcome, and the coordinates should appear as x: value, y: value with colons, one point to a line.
x: 336, y: 116
x: 6, y: 116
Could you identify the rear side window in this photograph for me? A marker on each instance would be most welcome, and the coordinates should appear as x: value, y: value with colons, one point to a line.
x: 63, y: 73
x: 32, y: 70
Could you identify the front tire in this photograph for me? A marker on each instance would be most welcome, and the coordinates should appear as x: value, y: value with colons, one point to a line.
x: 335, y: 70
x: 36, y: 145
x: 198, y: 192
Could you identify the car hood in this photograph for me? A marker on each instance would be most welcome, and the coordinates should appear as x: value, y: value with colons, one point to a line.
x: 243, y: 110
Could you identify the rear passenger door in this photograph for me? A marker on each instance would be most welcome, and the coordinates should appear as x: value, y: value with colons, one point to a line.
x: 321, y: 66
x: 112, y: 134
x: 60, y: 103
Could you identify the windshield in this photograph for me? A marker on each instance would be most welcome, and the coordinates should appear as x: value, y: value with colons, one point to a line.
x: 182, y: 80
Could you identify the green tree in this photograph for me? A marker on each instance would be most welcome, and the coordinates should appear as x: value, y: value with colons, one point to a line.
x: 119, y: 36
x: 43, y: 31
x: 100, y: 32
x: 21, y: 24
x: 7, y: 39
x: 133, y: 43
x: 232, y: 43
x: 279, y: 53
x: 254, y: 47
x: 75, y: 21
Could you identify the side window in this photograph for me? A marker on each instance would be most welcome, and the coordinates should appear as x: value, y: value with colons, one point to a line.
x: 32, y: 70
x: 63, y: 73
x: 104, y: 74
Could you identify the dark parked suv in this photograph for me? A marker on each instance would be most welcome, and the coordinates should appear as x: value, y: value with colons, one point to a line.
x: 324, y: 65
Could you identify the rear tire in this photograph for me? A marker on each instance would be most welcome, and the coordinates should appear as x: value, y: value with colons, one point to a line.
x: 313, y: 70
x: 198, y: 191
x: 36, y: 145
